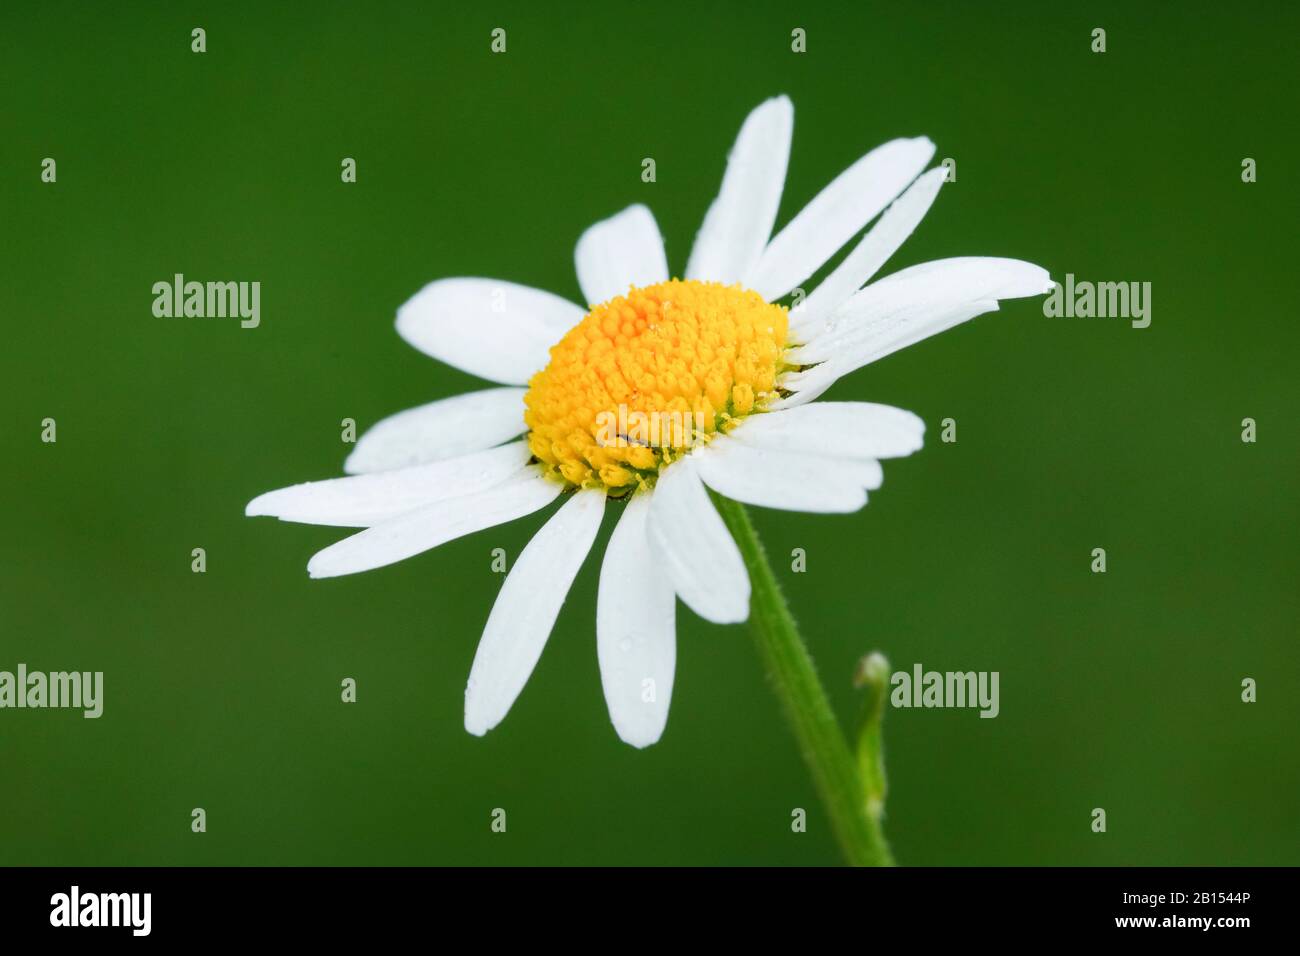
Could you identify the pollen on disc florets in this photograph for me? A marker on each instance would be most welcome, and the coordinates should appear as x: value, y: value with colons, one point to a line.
x: 648, y: 375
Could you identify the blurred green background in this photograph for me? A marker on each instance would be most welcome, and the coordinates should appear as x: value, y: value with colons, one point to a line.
x: 1119, y: 691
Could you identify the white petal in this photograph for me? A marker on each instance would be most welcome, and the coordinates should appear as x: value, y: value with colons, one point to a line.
x: 812, y: 382
x: 443, y: 429
x: 850, y: 202
x: 835, y: 430
x: 526, y: 609
x: 880, y: 242
x: 621, y: 251
x: 894, y: 310
x: 365, y: 500
x: 695, y: 547
x: 773, y: 479
x: 496, y: 330
x: 416, y: 531
x: 636, y: 635
x: 739, y: 222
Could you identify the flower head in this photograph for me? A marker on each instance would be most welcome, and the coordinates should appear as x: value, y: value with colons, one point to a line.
x: 663, y: 387
x: 667, y: 355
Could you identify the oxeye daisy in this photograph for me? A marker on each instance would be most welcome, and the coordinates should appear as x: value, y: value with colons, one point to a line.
x: 660, y: 389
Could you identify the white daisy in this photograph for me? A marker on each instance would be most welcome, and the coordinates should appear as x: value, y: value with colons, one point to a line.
x: 710, y: 348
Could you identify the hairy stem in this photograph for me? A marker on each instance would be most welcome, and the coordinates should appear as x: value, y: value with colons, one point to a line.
x: 794, y: 678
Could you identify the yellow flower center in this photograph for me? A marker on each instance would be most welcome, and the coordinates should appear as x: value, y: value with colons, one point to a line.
x: 646, y: 376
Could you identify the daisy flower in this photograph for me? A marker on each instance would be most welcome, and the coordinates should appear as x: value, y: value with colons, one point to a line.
x: 589, y: 391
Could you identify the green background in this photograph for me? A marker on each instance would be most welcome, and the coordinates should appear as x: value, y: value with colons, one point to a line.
x: 1119, y: 691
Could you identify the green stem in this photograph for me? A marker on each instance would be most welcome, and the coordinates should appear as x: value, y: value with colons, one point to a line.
x: 873, y: 679
x: 792, y: 674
